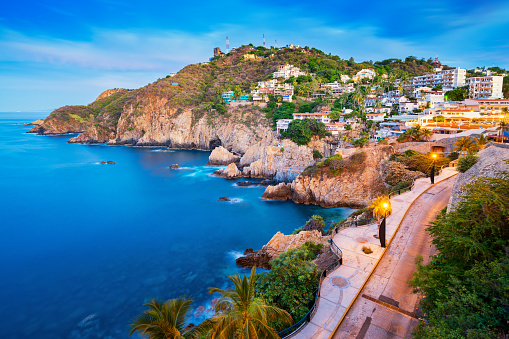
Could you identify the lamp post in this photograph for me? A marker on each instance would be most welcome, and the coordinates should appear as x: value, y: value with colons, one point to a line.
x: 382, y: 228
x: 432, y: 176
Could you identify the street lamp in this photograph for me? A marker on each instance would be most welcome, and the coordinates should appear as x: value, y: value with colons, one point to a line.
x: 386, y: 207
x: 432, y: 176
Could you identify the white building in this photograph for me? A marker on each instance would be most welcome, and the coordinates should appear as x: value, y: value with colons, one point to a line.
x: 450, y: 78
x: 365, y: 74
x: 375, y: 116
x: 407, y: 107
x: 335, y: 128
x: 489, y: 87
x: 334, y: 88
x: 282, y: 125
x: 344, y: 78
x: 323, y: 117
x: 287, y: 71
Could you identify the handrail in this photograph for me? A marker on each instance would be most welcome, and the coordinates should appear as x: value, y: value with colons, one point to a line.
x: 353, y: 223
x: 287, y: 332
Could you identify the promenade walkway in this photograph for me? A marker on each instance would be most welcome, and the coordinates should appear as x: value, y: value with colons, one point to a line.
x: 342, y: 286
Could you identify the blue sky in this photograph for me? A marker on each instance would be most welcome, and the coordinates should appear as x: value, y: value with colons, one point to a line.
x: 55, y: 53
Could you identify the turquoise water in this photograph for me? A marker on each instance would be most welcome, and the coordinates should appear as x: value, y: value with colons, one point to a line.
x: 79, y: 239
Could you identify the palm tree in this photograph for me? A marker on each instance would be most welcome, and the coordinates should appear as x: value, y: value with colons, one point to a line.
x: 381, y: 206
x: 481, y: 141
x: 502, y: 127
x: 164, y: 321
x: 242, y: 315
x: 464, y: 145
x: 427, y: 133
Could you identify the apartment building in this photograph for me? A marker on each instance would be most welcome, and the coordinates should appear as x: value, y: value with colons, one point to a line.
x: 320, y: 116
x: 450, y: 78
x: 365, y: 74
x: 287, y: 71
x: 488, y: 87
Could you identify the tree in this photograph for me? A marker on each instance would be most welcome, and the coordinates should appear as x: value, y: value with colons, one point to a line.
x: 381, y: 206
x: 164, y: 321
x: 481, y: 142
x: 464, y: 145
x: 457, y: 94
x: 360, y: 142
x: 464, y: 163
x: 291, y: 280
x: 466, y: 284
x: 301, y: 131
x: 243, y: 316
x: 502, y: 127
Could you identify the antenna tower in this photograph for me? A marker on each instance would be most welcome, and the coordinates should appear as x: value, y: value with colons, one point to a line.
x: 264, y: 41
x: 227, y: 45
x: 436, y: 60
x: 276, y: 43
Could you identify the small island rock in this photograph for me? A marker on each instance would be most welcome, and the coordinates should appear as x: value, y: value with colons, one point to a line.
x: 224, y: 199
x: 174, y: 166
x: 281, y: 191
x: 109, y: 162
x: 220, y: 156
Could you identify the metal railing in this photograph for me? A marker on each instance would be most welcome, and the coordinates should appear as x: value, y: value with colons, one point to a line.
x: 353, y: 223
x: 287, y: 332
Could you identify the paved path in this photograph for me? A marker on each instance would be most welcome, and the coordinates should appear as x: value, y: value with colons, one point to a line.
x: 341, y: 286
x: 386, y: 307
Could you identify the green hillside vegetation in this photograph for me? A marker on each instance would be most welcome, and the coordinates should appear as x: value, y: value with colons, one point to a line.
x: 421, y: 162
x: 199, y: 86
x: 466, y: 284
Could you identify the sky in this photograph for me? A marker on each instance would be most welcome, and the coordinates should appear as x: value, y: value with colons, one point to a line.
x: 55, y: 53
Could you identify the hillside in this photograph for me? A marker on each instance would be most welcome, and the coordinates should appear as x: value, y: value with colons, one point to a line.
x: 186, y: 110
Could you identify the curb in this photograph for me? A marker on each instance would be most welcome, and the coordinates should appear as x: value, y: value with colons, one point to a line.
x: 381, y: 257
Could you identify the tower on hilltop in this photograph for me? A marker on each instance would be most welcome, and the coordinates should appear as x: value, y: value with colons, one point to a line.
x: 264, y: 41
x: 227, y: 45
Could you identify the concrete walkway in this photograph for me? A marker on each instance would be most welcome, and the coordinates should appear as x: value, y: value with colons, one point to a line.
x: 342, y: 286
x: 386, y: 307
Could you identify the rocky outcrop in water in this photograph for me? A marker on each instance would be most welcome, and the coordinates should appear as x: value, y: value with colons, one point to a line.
x: 280, y: 243
x: 352, y: 182
x: 220, y: 156
x: 230, y: 172
x: 281, y: 191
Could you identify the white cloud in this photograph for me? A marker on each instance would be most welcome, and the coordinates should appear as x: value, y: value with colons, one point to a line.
x: 109, y: 50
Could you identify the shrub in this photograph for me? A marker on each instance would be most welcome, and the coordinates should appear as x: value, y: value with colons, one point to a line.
x: 401, y: 185
x: 453, y: 156
x: 464, y: 163
x: 367, y: 250
x: 317, y: 154
x: 291, y: 281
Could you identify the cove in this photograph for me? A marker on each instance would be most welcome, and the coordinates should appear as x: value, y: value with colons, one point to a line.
x: 83, y: 245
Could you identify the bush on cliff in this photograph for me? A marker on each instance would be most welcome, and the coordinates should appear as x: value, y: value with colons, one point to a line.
x: 466, y: 284
x: 464, y: 163
x: 336, y: 165
x: 291, y: 281
x: 416, y: 161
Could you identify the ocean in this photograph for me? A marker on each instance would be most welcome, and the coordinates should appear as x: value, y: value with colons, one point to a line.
x: 83, y: 245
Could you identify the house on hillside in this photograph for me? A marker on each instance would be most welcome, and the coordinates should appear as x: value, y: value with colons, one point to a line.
x: 375, y: 117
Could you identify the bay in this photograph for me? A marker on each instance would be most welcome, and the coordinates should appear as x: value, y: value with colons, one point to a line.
x: 83, y: 245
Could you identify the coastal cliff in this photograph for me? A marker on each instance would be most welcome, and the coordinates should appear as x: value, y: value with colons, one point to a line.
x: 280, y: 162
x: 183, y: 111
x: 352, y: 182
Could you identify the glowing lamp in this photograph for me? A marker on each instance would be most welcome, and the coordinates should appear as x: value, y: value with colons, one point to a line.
x: 385, y: 205
x: 433, y: 155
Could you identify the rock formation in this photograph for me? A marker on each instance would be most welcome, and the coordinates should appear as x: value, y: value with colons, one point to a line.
x: 492, y: 159
x: 174, y: 166
x: 394, y: 172
x: 279, y: 243
x: 352, y: 182
x: 220, y: 156
x: 281, y: 191
x: 230, y: 172
x: 288, y: 157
